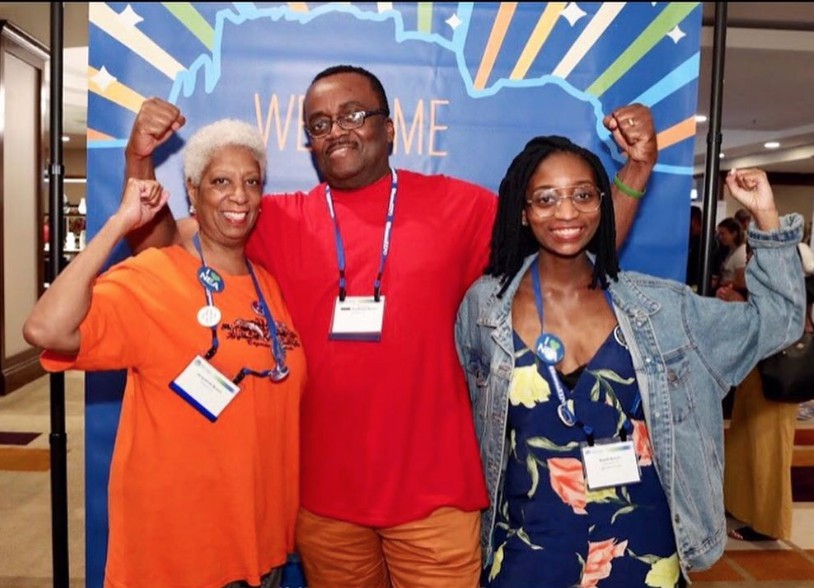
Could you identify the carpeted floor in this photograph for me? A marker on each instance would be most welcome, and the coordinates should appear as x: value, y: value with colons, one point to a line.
x: 23, y: 459
x: 760, y: 567
x: 16, y: 457
x: 17, y: 437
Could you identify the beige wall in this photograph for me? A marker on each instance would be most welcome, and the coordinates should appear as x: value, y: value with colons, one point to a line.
x: 789, y: 199
x: 20, y: 187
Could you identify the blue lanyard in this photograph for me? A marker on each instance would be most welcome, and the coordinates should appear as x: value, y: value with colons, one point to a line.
x: 280, y: 370
x: 550, y: 350
x: 340, y: 247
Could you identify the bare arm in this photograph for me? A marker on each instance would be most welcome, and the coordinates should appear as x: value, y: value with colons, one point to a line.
x: 54, y: 321
x: 156, y: 121
x: 739, y: 281
x: 634, y: 132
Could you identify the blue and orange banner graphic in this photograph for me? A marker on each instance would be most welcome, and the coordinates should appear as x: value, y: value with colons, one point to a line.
x: 468, y: 84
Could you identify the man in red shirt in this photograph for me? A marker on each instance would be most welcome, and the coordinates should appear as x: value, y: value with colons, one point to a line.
x: 373, y: 264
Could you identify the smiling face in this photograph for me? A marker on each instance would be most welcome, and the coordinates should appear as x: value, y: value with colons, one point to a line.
x: 227, y: 200
x: 567, y: 232
x: 356, y: 158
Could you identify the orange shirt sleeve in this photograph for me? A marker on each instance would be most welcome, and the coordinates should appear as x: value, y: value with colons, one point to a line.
x: 116, y: 328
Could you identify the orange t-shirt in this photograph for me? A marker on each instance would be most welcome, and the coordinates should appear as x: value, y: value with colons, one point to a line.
x: 193, y: 503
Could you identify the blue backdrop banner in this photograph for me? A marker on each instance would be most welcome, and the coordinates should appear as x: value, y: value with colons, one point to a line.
x: 468, y: 85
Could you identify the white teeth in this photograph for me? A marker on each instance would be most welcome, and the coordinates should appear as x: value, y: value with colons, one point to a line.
x: 567, y: 232
x: 235, y: 216
x: 339, y: 148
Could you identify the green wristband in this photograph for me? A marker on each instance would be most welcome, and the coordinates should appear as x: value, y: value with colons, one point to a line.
x: 627, y: 189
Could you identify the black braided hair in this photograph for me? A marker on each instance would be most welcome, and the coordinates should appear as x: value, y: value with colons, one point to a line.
x: 374, y: 81
x: 512, y: 242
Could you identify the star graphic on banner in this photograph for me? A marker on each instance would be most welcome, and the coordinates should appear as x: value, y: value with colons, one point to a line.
x: 676, y: 34
x: 573, y: 13
x: 129, y: 17
x: 453, y: 21
x: 103, y: 79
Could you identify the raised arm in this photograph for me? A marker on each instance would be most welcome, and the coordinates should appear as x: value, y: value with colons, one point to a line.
x: 54, y: 321
x: 633, y: 130
x: 772, y: 316
x: 156, y: 121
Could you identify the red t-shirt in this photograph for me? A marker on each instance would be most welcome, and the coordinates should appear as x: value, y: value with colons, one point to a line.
x: 387, y: 429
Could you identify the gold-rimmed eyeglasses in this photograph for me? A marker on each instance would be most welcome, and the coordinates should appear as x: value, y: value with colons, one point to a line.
x: 322, y: 125
x: 584, y: 198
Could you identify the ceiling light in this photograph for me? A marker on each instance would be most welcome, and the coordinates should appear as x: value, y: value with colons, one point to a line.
x: 771, y: 145
x: 721, y: 155
x: 700, y: 118
x: 65, y: 138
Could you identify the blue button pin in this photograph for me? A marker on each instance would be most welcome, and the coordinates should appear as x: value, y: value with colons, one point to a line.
x: 211, y: 280
x: 549, y: 349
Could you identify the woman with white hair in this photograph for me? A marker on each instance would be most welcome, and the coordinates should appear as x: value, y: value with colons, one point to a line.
x: 203, y: 487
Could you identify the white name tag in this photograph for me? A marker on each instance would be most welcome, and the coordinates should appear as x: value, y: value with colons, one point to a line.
x: 205, y: 388
x: 358, y: 318
x: 611, y: 463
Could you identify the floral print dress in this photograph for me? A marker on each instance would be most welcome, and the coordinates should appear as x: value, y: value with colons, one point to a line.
x: 553, y: 533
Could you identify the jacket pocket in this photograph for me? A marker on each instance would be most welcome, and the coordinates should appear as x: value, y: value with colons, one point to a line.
x: 477, y: 372
x: 679, y: 386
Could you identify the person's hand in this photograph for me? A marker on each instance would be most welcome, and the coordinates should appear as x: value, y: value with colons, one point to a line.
x: 155, y: 122
x: 750, y: 187
x: 728, y: 293
x: 634, y: 132
x: 141, y: 201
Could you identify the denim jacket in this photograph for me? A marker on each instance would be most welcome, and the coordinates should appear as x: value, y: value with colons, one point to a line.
x: 687, y: 351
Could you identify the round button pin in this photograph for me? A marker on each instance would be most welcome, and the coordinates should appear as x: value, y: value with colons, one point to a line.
x: 209, y: 316
x: 211, y: 280
x: 549, y: 349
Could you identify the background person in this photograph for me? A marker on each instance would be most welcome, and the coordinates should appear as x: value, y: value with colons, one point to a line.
x: 760, y: 447
x: 573, y: 365
x: 732, y: 236
x: 806, y: 409
x: 392, y: 484
x: 203, y: 486
x: 694, y: 248
x: 744, y: 217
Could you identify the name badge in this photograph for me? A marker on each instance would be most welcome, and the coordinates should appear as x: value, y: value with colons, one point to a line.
x: 205, y: 388
x: 610, y: 463
x: 358, y: 318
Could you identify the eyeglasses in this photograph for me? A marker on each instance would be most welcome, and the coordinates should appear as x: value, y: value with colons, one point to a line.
x: 322, y: 125
x: 584, y: 198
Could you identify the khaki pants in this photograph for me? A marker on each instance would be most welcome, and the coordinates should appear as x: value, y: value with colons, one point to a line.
x: 759, y: 448
x: 440, y: 551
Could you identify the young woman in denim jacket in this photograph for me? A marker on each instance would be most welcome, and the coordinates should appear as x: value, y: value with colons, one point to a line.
x: 597, y: 393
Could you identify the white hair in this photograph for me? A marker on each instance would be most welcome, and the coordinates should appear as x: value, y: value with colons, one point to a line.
x: 207, y: 140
